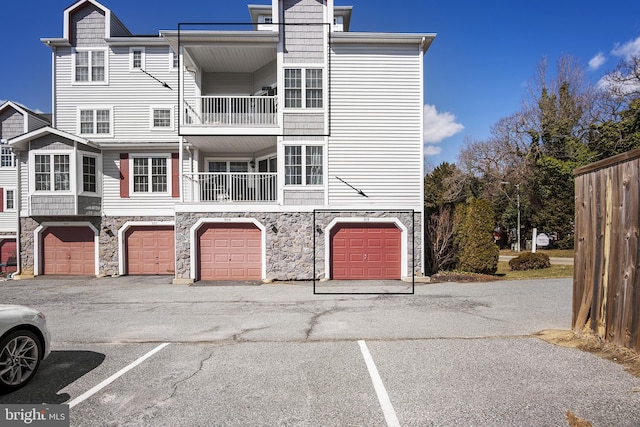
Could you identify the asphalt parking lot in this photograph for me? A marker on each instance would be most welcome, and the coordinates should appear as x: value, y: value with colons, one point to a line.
x: 138, y: 351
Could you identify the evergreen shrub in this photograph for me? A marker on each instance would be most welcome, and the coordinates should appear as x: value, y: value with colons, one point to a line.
x: 478, y: 251
x: 529, y: 261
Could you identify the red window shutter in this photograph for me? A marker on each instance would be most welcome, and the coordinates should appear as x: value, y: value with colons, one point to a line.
x: 175, y: 175
x: 1, y: 199
x: 124, y: 175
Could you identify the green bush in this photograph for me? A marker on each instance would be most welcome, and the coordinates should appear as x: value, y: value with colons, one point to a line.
x: 478, y: 252
x: 529, y: 261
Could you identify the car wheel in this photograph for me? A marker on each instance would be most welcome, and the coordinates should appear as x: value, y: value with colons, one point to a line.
x: 19, y: 359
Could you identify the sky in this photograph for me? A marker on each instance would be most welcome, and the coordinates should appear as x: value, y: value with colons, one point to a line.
x: 477, y: 70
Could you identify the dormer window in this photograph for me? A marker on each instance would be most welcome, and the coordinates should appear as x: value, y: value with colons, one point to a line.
x: 265, y: 22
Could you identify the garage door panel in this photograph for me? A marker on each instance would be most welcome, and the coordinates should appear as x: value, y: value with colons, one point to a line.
x: 366, y: 251
x: 150, y: 250
x: 8, y: 254
x: 68, y: 250
x: 230, y: 252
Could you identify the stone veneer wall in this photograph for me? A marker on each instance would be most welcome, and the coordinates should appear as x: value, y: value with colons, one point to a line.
x: 108, y: 245
x: 290, y: 249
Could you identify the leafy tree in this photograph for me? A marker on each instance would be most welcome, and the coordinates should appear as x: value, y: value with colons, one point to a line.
x: 563, y: 111
x: 617, y: 136
x: 478, y: 252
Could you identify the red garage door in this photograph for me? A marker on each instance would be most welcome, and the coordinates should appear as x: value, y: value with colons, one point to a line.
x: 69, y: 251
x: 371, y: 251
x: 8, y: 255
x: 150, y: 250
x: 230, y: 252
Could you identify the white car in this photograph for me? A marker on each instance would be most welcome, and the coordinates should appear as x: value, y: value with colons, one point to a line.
x: 24, y: 342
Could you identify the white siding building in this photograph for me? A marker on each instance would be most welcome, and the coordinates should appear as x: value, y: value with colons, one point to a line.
x: 15, y: 120
x: 290, y: 149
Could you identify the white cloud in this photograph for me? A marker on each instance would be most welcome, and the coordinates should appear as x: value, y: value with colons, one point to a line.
x: 618, y: 83
x: 628, y: 49
x: 597, y: 61
x: 432, y: 150
x: 438, y: 126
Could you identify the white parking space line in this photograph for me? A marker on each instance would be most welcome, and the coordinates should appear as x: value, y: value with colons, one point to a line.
x: 115, y: 376
x: 383, y: 397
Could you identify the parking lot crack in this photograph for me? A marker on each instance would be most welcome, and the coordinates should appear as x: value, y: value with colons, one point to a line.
x: 238, y: 336
x: 175, y: 385
x: 313, y: 322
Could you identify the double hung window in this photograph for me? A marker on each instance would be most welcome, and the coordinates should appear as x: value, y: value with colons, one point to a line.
x: 303, y: 165
x: 161, y: 117
x: 150, y: 175
x: 90, y: 66
x: 52, y: 172
x: 9, y: 199
x: 136, y: 61
x: 95, y: 121
x: 303, y: 88
x: 7, y: 158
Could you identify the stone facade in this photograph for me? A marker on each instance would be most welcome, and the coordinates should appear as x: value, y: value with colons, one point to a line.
x: 107, y: 239
x: 290, y: 240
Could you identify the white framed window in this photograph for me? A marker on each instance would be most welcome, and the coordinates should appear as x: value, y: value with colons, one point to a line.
x: 90, y: 66
x: 265, y: 22
x: 7, y: 157
x: 52, y: 172
x: 293, y: 88
x: 174, y: 60
x: 150, y: 174
x: 303, y: 165
x: 313, y: 88
x: 96, y: 121
x: 89, y: 174
x: 161, y: 117
x: 9, y: 199
x: 303, y: 88
x: 136, y: 58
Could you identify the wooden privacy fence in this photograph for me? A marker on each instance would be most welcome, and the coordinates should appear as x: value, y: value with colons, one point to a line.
x: 606, y: 282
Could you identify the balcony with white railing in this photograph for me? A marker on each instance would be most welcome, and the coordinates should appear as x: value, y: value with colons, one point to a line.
x: 221, y: 114
x: 229, y: 187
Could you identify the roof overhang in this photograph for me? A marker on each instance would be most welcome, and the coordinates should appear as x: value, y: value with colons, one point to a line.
x: 198, y: 37
x: 56, y: 42
x: 22, y: 142
x: 423, y: 40
x: 137, y: 41
x: 256, y: 10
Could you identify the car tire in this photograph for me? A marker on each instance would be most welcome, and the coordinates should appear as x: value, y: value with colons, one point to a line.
x: 20, y: 355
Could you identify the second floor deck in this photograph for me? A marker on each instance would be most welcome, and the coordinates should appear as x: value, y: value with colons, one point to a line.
x: 230, y: 112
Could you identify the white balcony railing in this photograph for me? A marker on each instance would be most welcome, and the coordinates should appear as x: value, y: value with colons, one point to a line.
x: 252, y: 187
x: 237, y: 111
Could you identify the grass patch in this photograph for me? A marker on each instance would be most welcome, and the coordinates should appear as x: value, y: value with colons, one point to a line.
x: 554, y: 271
x: 504, y: 273
x: 553, y: 253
